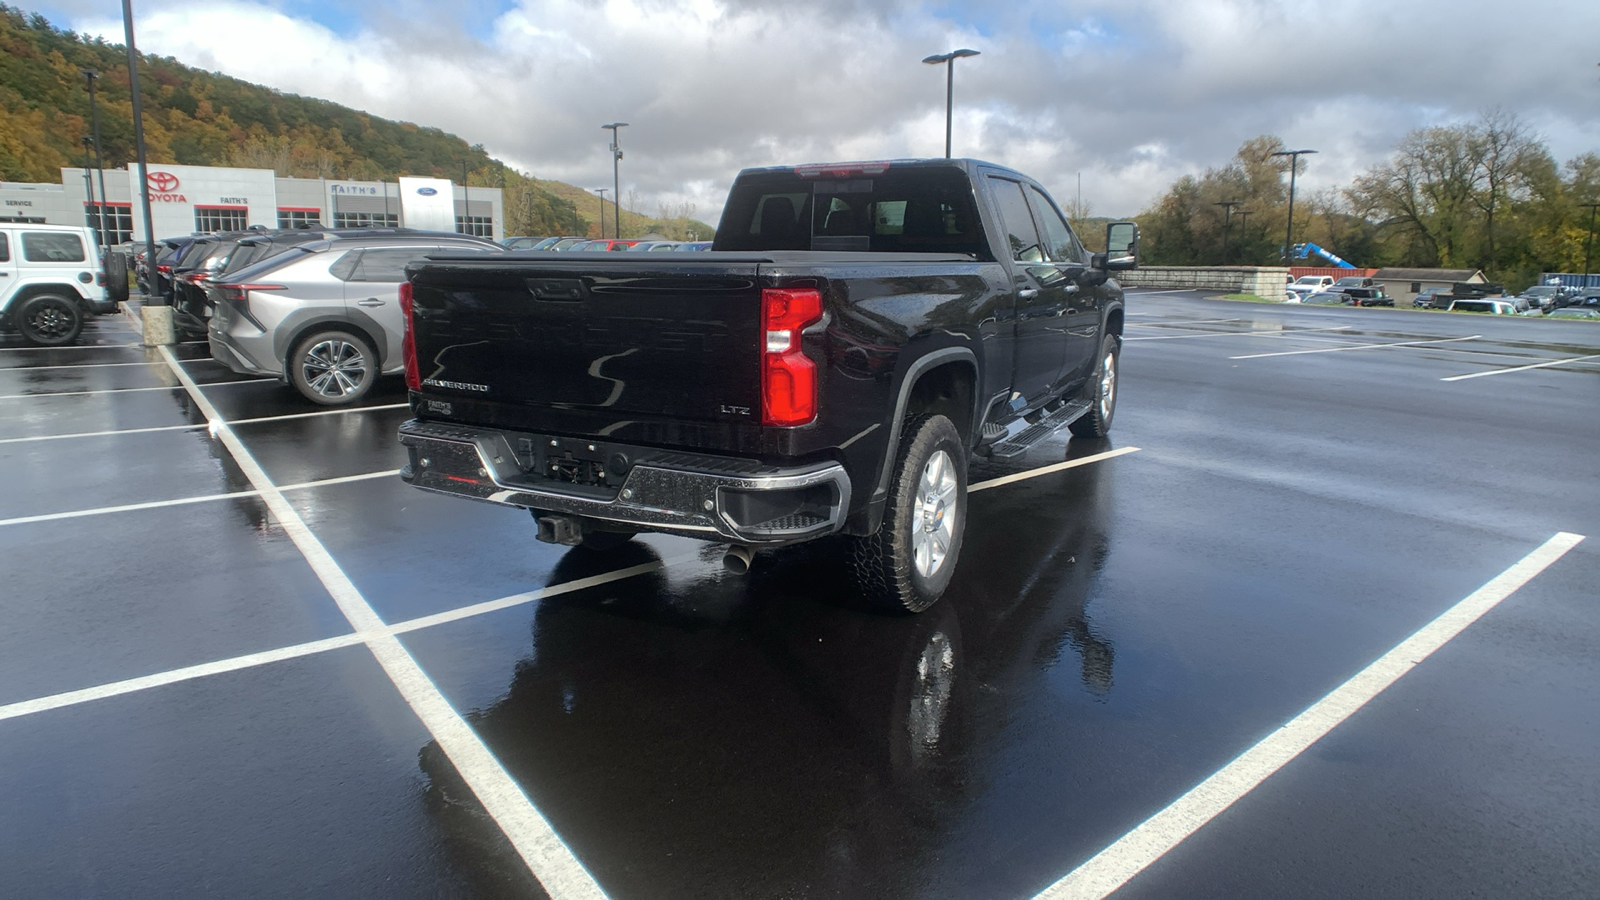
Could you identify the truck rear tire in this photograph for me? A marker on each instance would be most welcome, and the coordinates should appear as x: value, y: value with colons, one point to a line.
x: 1096, y: 423
x: 907, y: 563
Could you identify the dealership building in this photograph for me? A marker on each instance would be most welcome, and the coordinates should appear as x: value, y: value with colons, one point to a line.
x: 186, y: 199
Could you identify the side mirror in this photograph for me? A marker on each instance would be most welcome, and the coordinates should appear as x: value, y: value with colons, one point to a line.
x: 1122, y: 246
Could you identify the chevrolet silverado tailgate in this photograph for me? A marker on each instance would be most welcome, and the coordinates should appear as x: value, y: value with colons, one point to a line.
x: 642, y: 338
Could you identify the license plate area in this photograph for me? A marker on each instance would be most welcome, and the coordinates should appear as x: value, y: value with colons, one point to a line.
x: 574, y: 462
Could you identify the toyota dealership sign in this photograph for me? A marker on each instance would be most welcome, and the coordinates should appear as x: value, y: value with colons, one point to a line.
x: 163, y: 188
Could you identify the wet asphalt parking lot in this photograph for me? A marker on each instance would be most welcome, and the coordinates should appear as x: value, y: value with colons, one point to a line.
x: 238, y: 657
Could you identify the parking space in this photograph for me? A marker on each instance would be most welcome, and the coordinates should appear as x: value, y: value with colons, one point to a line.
x: 308, y: 674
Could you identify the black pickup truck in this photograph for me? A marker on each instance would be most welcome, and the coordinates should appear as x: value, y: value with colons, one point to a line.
x: 856, y: 334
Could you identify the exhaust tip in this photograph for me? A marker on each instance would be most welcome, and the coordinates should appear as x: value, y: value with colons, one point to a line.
x: 738, y: 559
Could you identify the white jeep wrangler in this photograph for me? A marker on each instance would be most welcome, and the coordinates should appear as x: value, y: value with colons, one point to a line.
x: 49, y: 281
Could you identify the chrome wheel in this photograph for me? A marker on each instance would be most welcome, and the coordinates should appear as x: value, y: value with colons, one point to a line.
x: 1108, y: 386
x: 934, y: 523
x: 334, y: 368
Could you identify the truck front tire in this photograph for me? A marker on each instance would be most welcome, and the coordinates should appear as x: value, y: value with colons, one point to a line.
x: 1096, y: 423
x: 907, y: 563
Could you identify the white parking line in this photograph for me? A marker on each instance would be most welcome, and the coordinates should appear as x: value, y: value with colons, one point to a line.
x: 1359, y: 347
x: 72, y: 347
x: 78, y: 366
x: 125, y: 390
x: 546, y: 855
x: 304, y: 415
x: 310, y: 648
x: 1553, y: 362
x: 145, y: 682
x: 184, y: 501
x: 1046, y: 470
x: 1170, y: 322
x: 1114, y: 866
x: 1287, y: 332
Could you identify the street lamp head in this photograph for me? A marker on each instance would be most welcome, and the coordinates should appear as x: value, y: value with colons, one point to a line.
x: 940, y: 58
x: 1293, y: 152
x: 615, y: 125
x: 963, y: 53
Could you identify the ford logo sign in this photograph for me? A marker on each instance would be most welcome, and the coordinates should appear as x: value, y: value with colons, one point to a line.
x: 426, y: 192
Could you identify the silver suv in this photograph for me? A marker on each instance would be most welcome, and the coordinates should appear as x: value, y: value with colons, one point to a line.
x: 323, y: 315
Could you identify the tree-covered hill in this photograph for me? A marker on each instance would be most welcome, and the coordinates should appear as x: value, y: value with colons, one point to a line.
x: 193, y: 117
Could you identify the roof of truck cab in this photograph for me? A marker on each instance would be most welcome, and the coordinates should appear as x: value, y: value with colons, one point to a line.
x: 963, y: 163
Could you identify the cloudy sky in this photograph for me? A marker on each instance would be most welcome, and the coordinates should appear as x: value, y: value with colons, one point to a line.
x: 1130, y: 94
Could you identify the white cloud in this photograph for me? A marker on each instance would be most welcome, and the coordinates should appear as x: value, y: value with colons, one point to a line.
x: 1131, y: 93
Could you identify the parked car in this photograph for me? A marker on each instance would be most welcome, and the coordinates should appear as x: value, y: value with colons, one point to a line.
x: 1326, y: 298
x: 1362, y: 291
x: 1573, y: 313
x: 693, y: 246
x: 1577, y: 298
x: 603, y: 245
x: 1546, y: 296
x: 722, y: 399
x: 567, y: 243
x: 1432, y: 298
x: 528, y: 243
x: 49, y: 281
x: 653, y: 246
x: 1309, y: 284
x: 1493, y: 306
x: 325, y: 316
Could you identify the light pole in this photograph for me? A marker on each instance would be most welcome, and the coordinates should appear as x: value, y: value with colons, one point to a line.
x: 1227, y: 223
x: 88, y: 189
x: 1294, y: 163
x: 602, y: 193
x: 99, y: 158
x: 948, y: 60
x: 616, y: 158
x: 466, y: 203
x: 144, y: 172
x: 1243, y: 216
x: 1588, y: 241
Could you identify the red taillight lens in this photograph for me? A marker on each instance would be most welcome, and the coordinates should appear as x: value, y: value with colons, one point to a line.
x: 408, y: 343
x: 165, y: 270
x: 788, y: 376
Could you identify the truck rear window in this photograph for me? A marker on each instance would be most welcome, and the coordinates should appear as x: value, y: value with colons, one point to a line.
x: 928, y: 210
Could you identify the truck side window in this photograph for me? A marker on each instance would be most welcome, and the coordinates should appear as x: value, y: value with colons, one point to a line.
x: 1020, y: 231
x: 5, y: 249
x: 1059, y: 241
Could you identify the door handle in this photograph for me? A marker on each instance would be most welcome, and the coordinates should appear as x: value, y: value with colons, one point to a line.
x: 370, y: 301
x: 1027, y: 293
x: 1071, y: 287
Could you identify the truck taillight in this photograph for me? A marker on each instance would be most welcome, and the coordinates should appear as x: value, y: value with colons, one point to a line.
x: 788, y: 376
x: 408, y: 343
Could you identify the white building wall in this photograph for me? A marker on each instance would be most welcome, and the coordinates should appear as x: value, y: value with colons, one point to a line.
x: 259, y: 192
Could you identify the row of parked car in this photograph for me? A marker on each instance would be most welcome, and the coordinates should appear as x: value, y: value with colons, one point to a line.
x: 1550, y: 300
x: 570, y: 244
x: 316, y: 307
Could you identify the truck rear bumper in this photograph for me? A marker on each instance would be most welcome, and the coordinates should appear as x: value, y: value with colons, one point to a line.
x: 695, y: 495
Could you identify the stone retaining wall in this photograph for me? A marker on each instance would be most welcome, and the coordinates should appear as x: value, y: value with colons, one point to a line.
x: 1263, y: 281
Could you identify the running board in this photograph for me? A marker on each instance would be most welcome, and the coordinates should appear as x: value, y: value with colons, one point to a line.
x: 1025, y: 439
